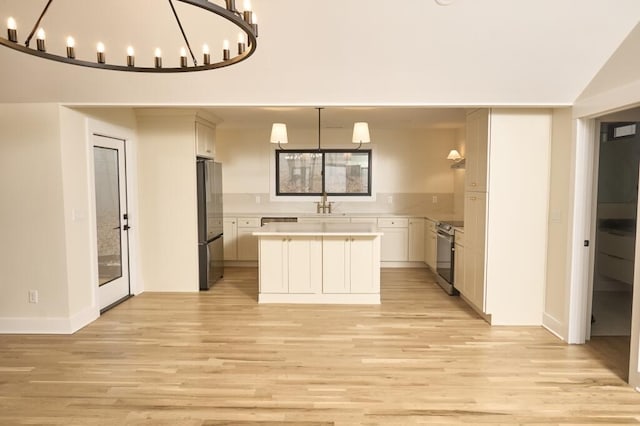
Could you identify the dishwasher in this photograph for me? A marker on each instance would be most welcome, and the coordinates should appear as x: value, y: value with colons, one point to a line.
x: 265, y: 220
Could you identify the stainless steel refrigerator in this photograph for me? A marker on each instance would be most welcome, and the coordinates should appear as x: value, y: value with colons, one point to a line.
x: 210, y: 222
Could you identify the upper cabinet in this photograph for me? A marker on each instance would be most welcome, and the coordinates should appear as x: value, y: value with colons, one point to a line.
x: 477, y: 144
x: 205, y: 139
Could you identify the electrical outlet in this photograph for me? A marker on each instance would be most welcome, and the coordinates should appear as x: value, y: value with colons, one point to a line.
x: 390, y: 199
x: 33, y: 296
x: 258, y: 199
x: 434, y: 199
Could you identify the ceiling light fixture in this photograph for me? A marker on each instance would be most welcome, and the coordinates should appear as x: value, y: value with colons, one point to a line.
x: 360, y: 132
x: 245, y: 21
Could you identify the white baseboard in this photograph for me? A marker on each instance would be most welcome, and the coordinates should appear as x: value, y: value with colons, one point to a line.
x: 554, y: 326
x: 49, y: 325
x: 321, y: 298
x: 403, y: 265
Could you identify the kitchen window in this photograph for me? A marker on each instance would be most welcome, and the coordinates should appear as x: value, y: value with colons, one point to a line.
x: 342, y: 172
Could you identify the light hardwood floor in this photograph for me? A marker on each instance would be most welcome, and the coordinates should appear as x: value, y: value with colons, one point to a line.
x: 219, y: 358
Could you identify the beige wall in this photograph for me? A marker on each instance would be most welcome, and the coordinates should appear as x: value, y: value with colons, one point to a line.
x: 32, y: 253
x: 518, y: 194
x: 409, y: 165
x: 167, y: 202
x: 558, y: 241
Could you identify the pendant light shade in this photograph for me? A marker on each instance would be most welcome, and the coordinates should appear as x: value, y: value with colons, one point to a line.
x: 361, y: 133
x: 279, y: 133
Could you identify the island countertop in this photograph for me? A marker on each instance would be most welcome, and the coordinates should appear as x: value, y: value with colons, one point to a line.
x: 276, y: 229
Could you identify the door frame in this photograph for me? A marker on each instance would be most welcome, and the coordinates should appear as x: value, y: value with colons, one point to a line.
x: 97, y: 127
x: 582, y: 258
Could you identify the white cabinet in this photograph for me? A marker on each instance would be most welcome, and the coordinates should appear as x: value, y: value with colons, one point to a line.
x: 290, y: 265
x: 395, y: 239
x: 430, y: 241
x: 230, y: 229
x: 458, y: 263
x: 476, y: 149
x: 350, y: 265
x: 205, y: 140
x: 475, y: 206
x: 416, y: 239
x: 247, y: 242
x: 321, y: 219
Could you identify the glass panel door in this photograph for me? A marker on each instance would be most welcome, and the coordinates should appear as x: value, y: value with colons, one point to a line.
x: 111, y: 220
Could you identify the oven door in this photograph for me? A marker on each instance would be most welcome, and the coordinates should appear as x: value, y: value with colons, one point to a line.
x: 444, y: 259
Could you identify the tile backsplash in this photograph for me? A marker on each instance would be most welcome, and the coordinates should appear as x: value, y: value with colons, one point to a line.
x: 389, y: 203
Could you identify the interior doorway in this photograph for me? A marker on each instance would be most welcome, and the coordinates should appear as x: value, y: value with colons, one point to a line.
x: 615, y: 238
x: 112, y: 226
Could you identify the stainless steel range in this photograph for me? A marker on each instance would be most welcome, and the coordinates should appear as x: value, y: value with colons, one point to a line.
x: 446, y: 255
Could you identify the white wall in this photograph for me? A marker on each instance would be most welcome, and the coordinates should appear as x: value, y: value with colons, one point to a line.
x: 167, y: 201
x: 32, y: 253
x: 409, y: 165
x: 556, y: 313
x: 518, y: 194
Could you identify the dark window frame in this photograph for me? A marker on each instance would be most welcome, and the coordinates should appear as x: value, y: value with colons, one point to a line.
x: 323, y: 152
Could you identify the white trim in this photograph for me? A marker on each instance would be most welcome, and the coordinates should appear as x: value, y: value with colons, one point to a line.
x: 394, y: 264
x: 553, y: 325
x: 334, y: 299
x: 50, y: 325
x: 582, y: 212
x: 616, y: 99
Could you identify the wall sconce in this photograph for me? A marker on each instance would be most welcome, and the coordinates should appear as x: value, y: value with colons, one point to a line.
x: 458, y: 160
x: 361, y: 133
x: 279, y: 134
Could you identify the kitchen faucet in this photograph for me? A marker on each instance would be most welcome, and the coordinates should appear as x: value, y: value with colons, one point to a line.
x: 323, y: 206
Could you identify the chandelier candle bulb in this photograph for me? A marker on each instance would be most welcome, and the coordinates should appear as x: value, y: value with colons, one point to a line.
x: 183, y: 57
x: 40, y: 40
x: 248, y: 14
x: 254, y: 25
x: 131, y: 61
x: 100, y: 53
x: 71, y: 51
x: 241, y: 45
x: 226, y: 55
x: 12, y: 30
x: 206, y: 54
x: 231, y: 5
x: 158, y: 58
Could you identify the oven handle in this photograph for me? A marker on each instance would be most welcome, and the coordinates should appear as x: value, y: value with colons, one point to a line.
x: 445, y: 236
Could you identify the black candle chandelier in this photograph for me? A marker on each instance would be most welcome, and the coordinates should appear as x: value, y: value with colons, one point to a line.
x: 246, y: 21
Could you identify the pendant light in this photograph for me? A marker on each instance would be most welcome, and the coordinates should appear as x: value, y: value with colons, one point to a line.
x: 361, y: 133
x: 279, y: 134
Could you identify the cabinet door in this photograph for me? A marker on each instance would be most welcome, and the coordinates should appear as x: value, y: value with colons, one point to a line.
x: 247, y: 244
x: 205, y: 140
x: 416, y: 240
x: 362, y: 259
x: 477, y: 143
x: 230, y: 239
x: 431, y: 250
x: 304, y: 264
x: 335, y: 265
x: 395, y: 245
x: 458, y: 269
x: 474, y: 247
x: 273, y: 265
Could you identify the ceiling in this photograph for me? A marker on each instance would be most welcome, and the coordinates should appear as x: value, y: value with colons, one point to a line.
x: 415, y: 53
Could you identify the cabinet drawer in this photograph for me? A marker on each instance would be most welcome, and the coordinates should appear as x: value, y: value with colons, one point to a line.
x: 364, y: 220
x: 431, y: 225
x: 616, y: 268
x: 459, y: 238
x: 619, y: 245
x: 387, y: 222
x: 248, y: 222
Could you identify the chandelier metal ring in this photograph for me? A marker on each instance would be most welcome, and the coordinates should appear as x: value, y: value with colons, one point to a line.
x: 230, y: 13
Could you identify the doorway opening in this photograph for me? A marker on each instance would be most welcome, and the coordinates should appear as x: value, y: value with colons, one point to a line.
x: 112, y: 226
x: 615, y: 237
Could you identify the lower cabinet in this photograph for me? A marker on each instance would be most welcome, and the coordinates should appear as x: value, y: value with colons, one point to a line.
x: 349, y: 265
x: 416, y: 239
x: 247, y: 242
x: 230, y: 238
x: 290, y: 265
x: 430, y: 243
x: 474, y: 248
x: 395, y: 239
x: 458, y: 268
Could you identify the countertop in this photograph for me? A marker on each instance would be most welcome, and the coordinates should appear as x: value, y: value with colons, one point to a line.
x: 276, y: 229
x: 436, y: 217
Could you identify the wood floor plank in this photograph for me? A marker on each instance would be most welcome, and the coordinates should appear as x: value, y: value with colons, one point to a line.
x: 218, y: 358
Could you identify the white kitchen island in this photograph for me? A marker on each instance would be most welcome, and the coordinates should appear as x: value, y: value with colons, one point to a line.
x: 319, y: 263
